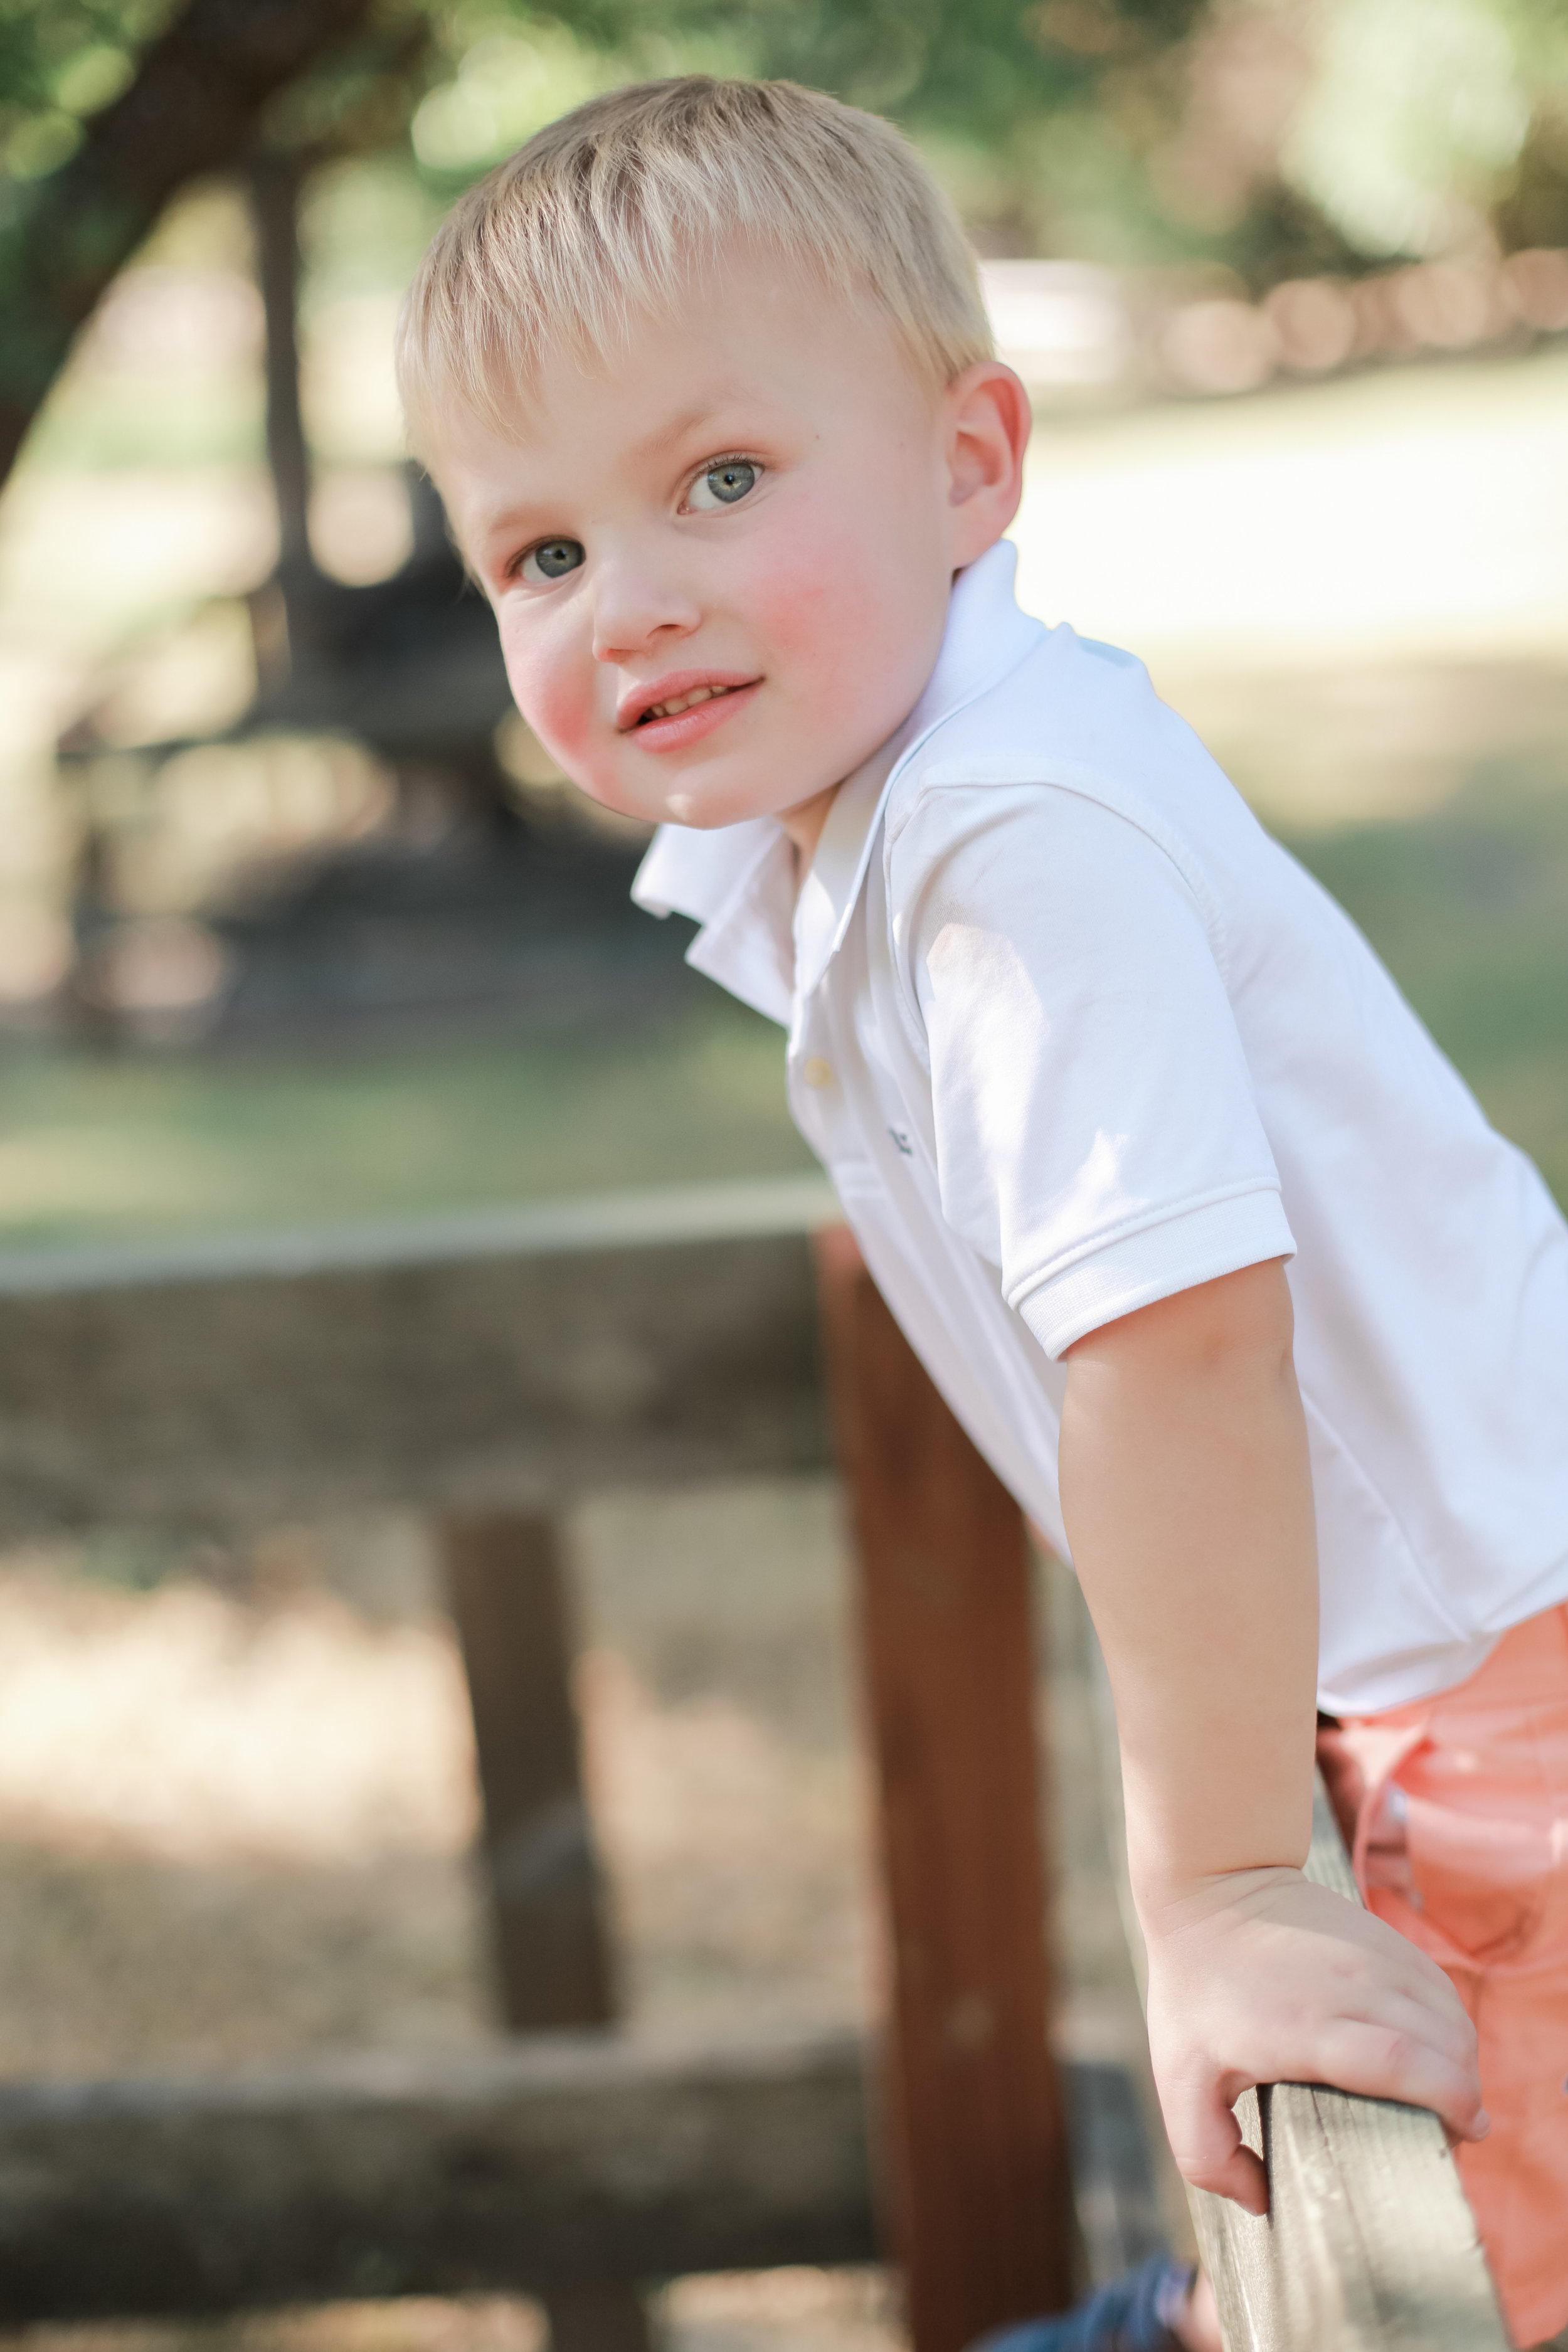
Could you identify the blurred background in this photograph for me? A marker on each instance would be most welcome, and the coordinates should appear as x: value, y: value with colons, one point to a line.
x: 298, y: 924
x: 295, y: 919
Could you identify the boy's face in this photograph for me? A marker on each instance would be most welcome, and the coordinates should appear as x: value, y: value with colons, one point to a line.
x: 722, y: 566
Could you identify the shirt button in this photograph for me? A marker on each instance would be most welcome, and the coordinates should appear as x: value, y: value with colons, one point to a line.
x: 816, y: 1072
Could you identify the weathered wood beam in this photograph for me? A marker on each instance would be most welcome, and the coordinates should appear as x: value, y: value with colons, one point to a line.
x: 1369, y: 2244
x: 496, y: 1359
x: 537, y: 2166
x: 557, y: 2164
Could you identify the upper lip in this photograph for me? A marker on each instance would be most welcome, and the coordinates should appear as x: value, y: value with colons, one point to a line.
x: 641, y: 698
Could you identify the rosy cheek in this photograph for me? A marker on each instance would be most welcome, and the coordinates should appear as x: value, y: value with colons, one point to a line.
x: 826, y: 600
x: 549, y: 689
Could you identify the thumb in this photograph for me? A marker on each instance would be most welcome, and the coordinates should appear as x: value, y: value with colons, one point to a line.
x: 1207, y: 2142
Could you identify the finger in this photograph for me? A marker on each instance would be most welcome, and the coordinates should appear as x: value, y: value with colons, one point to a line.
x: 1241, y: 2178
x: 1409, y: 1971
x: 1205, y: 2140
x: 1397, y: 2010
x: 1381, y: 2062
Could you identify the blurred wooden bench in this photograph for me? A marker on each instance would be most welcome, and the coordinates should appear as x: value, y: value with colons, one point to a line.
x: 489, y: 1369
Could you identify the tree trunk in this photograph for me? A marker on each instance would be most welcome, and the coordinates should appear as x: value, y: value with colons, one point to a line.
x: 275, y: 214
x: 194, y: 107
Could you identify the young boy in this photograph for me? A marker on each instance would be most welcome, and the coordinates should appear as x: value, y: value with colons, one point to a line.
x: 704, y: 379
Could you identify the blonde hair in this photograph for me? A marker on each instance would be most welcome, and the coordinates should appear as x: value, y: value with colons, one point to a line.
x: 614, y: 210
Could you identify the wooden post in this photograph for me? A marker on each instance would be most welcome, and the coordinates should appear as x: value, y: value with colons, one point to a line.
x: 976, y: 2158
x: 508, y: 1591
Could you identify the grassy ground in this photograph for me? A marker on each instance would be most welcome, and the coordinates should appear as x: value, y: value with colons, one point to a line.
x: 1469, y: 909
x: 1468, y: 902
x: 1470, y: 912
x: 141, y: 1142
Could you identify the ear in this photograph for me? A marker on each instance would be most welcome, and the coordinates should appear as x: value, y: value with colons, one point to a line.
x: 987, y: 421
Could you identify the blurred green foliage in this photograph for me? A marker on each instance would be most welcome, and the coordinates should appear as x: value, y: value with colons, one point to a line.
x: 286, y: 1136
x: 1276, y: 137
x: 1422, y: 119
x: 1273, y: 136
x: 60, y: 60
x: 1040, y: 118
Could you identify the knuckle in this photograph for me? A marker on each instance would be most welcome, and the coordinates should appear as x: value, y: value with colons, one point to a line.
x: 1397, y: 2052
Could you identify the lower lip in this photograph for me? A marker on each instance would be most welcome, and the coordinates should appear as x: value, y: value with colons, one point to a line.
x: 684, y: 727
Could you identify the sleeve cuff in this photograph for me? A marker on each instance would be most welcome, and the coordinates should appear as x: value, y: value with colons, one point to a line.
x: 1192, y: 1247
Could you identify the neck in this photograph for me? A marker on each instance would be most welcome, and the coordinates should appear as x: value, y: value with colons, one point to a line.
x: 803, y: 823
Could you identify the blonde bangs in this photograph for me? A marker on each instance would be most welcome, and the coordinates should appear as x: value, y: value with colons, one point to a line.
x: 613, y: 211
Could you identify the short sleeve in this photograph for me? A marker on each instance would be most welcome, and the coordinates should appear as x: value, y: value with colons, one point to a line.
x: 1096, y: 1132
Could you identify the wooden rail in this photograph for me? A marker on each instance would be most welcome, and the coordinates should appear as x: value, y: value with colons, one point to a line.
x: 1369, y: 2243
x: 506, y: 1359
x: 560, y: 2165
x: 489, y: 1369
x: 492, y: 1367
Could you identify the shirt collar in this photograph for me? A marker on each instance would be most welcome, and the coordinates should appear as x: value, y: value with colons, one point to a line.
x: 758, y: 939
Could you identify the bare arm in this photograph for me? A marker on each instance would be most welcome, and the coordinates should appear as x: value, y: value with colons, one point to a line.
x: 1188, y: 1504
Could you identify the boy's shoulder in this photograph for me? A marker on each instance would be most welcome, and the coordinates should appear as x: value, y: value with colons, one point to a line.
x: 1077, y: 715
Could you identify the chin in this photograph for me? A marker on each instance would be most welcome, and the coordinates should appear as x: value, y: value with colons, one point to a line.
x: 706, y: 816
x: 706, y: 807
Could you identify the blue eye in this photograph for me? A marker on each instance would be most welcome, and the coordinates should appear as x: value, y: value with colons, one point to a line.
x: 722, y: 484
x: 552, y: 558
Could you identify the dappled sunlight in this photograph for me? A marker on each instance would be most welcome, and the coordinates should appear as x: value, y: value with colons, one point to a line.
x: 237, y: 1803
x: 688, y: 1798
x: 192, y: 1725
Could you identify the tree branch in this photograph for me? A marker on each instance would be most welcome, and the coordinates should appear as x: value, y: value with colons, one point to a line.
x: 193, y: 106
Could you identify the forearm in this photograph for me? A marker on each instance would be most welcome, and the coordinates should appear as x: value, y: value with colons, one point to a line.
x: 1188, y: 1507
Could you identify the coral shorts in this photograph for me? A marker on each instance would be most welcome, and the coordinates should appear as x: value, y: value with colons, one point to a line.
x: 1456, y: 1808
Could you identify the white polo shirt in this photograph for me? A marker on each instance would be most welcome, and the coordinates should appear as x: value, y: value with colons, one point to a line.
x: 1071, y: 1034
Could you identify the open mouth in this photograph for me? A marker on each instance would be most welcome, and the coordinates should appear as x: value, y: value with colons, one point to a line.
x: 679, y: 703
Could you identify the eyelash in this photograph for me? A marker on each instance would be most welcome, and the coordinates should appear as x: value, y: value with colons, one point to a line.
x: 712, y: 465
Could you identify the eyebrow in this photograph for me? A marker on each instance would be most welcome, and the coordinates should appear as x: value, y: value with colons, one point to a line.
x: 509, y: 523
x: 663, y: 436
x: 676, y: 429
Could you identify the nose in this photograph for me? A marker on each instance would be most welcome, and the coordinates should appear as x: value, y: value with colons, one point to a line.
x: 638, y: 601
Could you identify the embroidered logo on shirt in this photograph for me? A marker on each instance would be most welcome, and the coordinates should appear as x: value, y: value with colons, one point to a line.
x: 902, y: 1142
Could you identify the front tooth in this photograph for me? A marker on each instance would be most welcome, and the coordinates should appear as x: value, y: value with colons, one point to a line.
x: 680, y: 703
